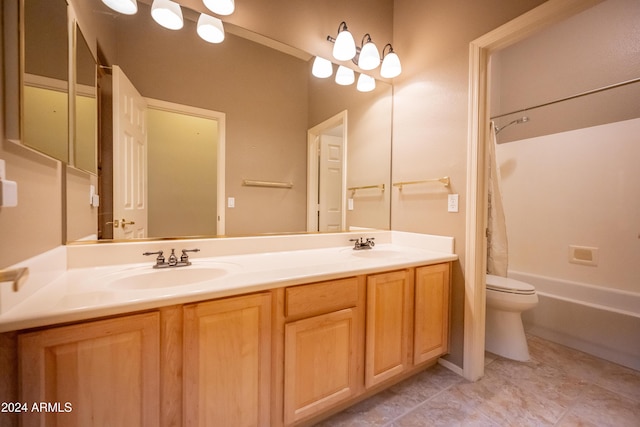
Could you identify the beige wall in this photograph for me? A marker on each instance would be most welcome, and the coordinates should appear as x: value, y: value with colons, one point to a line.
x: 430, y: 118
x: 182, y: 176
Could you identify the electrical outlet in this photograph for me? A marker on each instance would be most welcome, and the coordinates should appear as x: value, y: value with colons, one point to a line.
x: 452, y: 203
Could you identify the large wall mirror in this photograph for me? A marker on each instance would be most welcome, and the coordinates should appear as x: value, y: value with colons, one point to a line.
x: 262, y: 101
x: 59, y: 105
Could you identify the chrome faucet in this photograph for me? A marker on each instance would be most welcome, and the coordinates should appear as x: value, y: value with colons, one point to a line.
x: 361, y: 243
x: 173, y: 260
x: 16, y: 276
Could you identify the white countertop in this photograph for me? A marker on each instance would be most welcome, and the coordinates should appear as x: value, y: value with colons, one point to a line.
x: 90, y: 292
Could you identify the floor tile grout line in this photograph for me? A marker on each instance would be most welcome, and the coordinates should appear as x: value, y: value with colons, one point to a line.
x: 388, y: 424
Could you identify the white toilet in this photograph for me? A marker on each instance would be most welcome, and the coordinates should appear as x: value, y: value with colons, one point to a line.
x: 506, y: 300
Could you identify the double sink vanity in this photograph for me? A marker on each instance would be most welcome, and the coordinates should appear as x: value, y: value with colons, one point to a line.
x: 264, y: 331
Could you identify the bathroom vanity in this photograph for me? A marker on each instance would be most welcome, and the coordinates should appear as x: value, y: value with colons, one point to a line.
x: 284, y: 338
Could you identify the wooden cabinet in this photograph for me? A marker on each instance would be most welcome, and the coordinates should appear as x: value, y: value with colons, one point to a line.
x: 102, y: 373
x: 322, y: 349
x: 389, y: 325
x: 227, y: 362
x: 432, y: 304
x: 288, y: 356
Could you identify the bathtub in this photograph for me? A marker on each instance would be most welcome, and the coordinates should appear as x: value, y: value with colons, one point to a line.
x: 599, y: 321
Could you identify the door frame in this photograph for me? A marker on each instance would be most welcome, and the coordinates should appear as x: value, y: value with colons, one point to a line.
x: 546, y: 14
x: 313, y: 154
x: 218, y: 116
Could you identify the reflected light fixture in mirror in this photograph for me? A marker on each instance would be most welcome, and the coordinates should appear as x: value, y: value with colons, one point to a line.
x: 167, y: 13
x: 344, y: 47
x: 126, y: 7
x: 220, y: 7
x: 390, y: 63
x: 368, y: 58
x: 322, y: 68
x: 210, y: 29
x: 345, y: 76
x: 366, y: 83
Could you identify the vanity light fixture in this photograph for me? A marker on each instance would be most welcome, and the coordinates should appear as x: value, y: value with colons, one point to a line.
x: 167, y: 13
x: 344, y: 47
x: 210, y: 29
x: 369, y: 57
x: 220, y: 7
x: 126, y: 7
x: 366, y: 56
x: 345, y: 76
x: 322, y: 68
x: 390, y: 63
x: 366, y: 83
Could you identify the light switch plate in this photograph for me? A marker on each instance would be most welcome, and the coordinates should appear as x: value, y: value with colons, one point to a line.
x: 452, y: 203
x: 231, y: 202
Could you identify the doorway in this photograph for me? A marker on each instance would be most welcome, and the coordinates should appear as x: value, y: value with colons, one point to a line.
x: 476, y: 219
x: 327, y: 175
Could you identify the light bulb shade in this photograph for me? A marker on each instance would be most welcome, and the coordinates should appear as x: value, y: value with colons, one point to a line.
x: 220, y: 7
x: 167, y: 13
x: 390, y: 66
x: 345, y: 76
x: 344, y: 48
x: 210, y: 29
x: 322, y: 68
x: 127, y: 7
x: 366, y: 83
x: 369, y: 57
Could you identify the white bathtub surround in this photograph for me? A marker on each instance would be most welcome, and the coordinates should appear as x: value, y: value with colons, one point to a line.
x: 601, y: 321
x: 94, y: 285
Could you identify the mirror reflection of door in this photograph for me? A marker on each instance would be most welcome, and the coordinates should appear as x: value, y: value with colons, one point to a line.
x: 129, y: 159
x: 330, y: 177
x: 327, y: 175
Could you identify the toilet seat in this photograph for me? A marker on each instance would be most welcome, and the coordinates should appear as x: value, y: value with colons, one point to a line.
x: 509, y: 286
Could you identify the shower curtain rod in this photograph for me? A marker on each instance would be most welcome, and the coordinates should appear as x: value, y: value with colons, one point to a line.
x: 589, y: 92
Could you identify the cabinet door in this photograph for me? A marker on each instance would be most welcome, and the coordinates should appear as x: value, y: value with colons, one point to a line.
x: 432, y: 294
x: 103, y: 373
x: 227, y: 362
x: 321, y: 360
x: 389, y: 305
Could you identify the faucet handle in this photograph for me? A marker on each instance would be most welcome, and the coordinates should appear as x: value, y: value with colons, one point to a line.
x: 160, y: 258
x: 185, y: 257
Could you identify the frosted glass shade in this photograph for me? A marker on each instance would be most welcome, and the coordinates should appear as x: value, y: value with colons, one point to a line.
x: 126, y: 7
x: 344, y: 48
x: 366, y: 83
x: 167, y: 13
x: 220, y: 7
x: 210, y: 29
x: 322, y: 68
x: 345, y: 76
x: 369, y: 57
x: 390, y: 66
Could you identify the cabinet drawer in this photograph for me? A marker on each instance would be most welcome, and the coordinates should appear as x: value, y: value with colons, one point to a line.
x: 319, y: 298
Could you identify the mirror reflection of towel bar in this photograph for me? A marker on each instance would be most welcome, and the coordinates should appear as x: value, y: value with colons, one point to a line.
x: 365, y: 187
x: 272, y: 184
x: 444, y: 180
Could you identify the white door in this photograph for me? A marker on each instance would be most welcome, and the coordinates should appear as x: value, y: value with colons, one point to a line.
x: 129, y: 159
x: 330, y: 203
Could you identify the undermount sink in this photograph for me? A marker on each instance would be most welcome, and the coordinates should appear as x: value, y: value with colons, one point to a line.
x: 149, y: 278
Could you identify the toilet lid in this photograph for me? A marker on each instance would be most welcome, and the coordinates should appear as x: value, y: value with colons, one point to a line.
x: 506, y: 284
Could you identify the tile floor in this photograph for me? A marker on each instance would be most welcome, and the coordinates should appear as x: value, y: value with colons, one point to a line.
x: 558, y: 387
